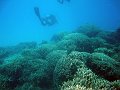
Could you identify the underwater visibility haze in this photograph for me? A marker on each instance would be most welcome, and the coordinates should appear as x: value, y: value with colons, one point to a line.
x: 59, y: 44
x: 18, y: 22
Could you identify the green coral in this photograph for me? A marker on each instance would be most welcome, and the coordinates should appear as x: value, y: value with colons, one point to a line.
x: 21, y: 70
x: 4, y: 82
x: 85, y: 59
x: 58, y: 37
x: 81, y: 41
x: 30, y: 54
x: 44, y: 49
x: 116, y: 56
x: 97, y: 43
x: 68, y: 45
x: 3, y: 52
x: 67, y: 66
x: 53, y: 57
x: 27, y: 86
x: 89, y: 30
x: 106, y: 51
x: 85, y: 79
x: 26, y: 45
x: 106, y: 35
x: 104, y: 66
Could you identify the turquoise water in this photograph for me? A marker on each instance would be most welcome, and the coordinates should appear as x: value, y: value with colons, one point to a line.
x: 18, y: 22
x: 59, y: 44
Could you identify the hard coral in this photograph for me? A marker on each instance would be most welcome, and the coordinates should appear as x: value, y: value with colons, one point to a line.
x: 104, y: 66
x: 89, y: 30
x: 67, y: 67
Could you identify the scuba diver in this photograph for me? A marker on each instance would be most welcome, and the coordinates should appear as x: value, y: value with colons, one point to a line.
x: 62, y: 1
x: 49, y: 20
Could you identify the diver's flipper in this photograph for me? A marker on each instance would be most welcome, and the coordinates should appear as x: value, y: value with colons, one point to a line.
x: 42, y: 20
x: 37, y: 12
x: 47, y: 21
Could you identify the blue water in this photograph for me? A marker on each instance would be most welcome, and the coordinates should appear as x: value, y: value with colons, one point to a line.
x: 18, y: 22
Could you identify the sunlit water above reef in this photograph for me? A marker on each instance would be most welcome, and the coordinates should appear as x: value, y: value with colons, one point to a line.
x: 59, y: 45
x: 19, y: 23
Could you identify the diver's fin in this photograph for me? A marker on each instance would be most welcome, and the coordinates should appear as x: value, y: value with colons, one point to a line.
x: 37, y: 12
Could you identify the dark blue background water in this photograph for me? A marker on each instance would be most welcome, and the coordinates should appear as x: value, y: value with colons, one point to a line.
x: 18, y: 22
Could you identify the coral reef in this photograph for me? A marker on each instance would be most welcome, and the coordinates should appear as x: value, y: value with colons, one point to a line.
x: 106, y: 51
x: 89, y: 30
x: 53, y: 57
x: 81, y: 41
x: 68, y: 66
x: 44, y: 49
x: 58, y: 37
x: 85, y: 59
x: 104, y: 66
x: 3, y: 53
x: 20, y: 70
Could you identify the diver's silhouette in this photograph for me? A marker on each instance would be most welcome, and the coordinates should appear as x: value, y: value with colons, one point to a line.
x: 62, y: 1
x: 45, y: 21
